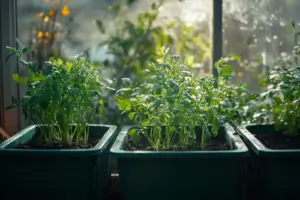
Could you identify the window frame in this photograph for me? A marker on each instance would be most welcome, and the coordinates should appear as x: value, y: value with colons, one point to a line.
x: 10, y: 120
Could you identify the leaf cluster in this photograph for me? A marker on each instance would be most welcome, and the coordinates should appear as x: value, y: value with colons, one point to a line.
x: 60, y: 98
x: 282, y: 98
x: 172, y: 103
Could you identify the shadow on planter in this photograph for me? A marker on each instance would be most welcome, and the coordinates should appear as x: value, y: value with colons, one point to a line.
x: 181, y: 175
x: 275, y: 173
x: 56, y: 174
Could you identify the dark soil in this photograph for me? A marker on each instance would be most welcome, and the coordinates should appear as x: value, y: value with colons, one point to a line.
x: 279, y: 141
x: 214, y: 145
x: 58, y: 145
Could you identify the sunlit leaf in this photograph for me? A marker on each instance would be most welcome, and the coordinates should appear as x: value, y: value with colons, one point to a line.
x: 68, y: 66
x: 235, y: 56
x: 20, y: 80
x: 131, y: 115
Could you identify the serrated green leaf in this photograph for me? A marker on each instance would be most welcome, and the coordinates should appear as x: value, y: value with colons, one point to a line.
x: 131, y: 115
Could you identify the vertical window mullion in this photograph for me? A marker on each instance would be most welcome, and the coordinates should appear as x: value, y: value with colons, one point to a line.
x: 216, y: 33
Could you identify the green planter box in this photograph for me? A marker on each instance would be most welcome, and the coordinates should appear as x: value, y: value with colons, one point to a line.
x: 73, y: 174
x: 275, y: 173
x: 181, y: 175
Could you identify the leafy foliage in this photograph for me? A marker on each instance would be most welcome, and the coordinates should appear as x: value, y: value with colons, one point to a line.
x: 135, y: 43
x: 279, y: 104
x: 173, y: 98
x: 59, y: 96
x: 282, y: 99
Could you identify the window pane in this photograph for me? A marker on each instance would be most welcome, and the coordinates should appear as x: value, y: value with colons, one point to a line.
x: 190, y: 33
x: 258, y: 31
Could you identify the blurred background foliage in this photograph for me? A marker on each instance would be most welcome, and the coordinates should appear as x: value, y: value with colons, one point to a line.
x: 124, y: 35
x: 45, y: 37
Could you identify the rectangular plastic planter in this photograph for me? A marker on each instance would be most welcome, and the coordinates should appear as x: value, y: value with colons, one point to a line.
x: 162, y: 175
x: 275, y: 173
x: 67, y: 174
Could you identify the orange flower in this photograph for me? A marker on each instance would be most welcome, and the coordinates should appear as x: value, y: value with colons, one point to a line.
x: 39, y: 15
x: 65, y: 10
x: 40, y: 34
x: 51, y: 13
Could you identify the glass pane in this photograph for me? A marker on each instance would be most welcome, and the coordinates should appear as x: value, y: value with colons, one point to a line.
x: 80, y: 31
x: 259, y: 32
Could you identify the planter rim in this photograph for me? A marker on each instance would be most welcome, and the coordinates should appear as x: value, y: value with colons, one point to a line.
x: 117, y: 151
x: 97, y: 149
x: 258, y: 147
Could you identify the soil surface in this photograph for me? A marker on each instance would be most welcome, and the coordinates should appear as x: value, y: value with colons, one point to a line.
x: 214, y: 145
x: 279, y: 141
x: 58, y: 145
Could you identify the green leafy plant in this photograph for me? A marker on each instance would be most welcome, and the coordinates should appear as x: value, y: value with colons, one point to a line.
x: 60, y: 98
x: 280, y: 103
x: 172, y: 103
x: 282, y: 99
x: 238, y: 105
x: 135, y: 42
